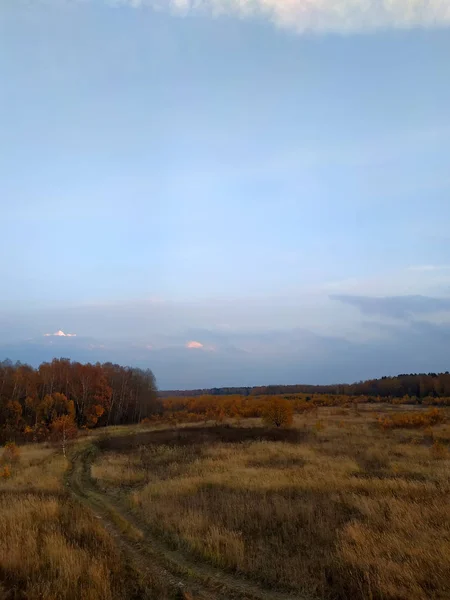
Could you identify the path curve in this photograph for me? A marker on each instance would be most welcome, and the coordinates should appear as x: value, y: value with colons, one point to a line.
x: 148, y: 557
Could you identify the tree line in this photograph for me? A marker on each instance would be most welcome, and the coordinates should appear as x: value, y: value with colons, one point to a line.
x: 89, y: 395
x: 419, y: 385
x: 62, y: 396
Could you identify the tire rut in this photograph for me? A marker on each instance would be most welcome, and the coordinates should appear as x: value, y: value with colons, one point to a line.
x: 151, y: 560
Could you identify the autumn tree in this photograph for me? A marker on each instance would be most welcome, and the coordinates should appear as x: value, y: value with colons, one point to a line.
x: 54, y: 406
x: 278, y: 412
x: 90, y: 394
x: 63, y: 429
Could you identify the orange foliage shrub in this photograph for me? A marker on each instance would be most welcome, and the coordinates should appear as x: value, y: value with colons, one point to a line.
x: 278, y: 413
x: 412, y: 420
x: 11, y: 453
x: 191, y: 409
x: 5, y: 472
x: 194, y: 409
x: 443, y: 401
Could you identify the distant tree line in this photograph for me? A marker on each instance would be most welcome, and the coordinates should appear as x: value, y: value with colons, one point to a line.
x: 419, y: 385
x: 89, y: 395
x: 62, y: 396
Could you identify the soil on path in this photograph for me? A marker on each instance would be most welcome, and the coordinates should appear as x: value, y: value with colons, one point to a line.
x: 156, y: 572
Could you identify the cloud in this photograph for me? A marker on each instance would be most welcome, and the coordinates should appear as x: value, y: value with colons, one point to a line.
x: 316, y: 15
x: 395, y: 307
x: 60, y: 333
x: 425, y: 268
x: 416, y: 280
x: 193, y: 344
x: 290, y: 356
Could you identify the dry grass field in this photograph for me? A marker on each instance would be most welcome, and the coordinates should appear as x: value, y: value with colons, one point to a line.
x: 50, y: 546
x: 345, y: 504
x: 338, y: 507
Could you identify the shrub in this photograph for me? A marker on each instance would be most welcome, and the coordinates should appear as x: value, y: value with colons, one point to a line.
x: 412, y: 419
x: 5, y: 472
x: 11, y: 453
x: 278, y: 413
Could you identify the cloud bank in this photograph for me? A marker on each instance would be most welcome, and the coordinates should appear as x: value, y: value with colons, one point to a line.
x: 350, y: 337
x: 316, y: 15
x: 395, y: 307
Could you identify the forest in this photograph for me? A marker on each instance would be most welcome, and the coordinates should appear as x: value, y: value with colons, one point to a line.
x: 419, y: 385
x: 36, y: 402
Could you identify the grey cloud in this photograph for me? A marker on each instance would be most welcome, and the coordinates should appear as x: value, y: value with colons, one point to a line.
x: 395, y: 307
x: 246, y: 358
x: 248, y: 352
x: 437, y: 333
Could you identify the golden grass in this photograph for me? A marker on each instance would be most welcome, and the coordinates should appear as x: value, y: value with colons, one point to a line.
x: 349, y: 512
x: 50, y: 546
x: 40, y: 468
x: 52, y: 549
x: 116, y: 469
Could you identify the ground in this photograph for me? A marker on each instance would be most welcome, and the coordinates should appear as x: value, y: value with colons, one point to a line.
x: 335, y: 507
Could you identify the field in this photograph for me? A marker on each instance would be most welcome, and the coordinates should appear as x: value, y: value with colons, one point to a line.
x: 347, y: 503
x: 50, y: 547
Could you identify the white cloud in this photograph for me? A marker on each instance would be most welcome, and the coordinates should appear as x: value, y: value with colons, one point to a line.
x: 60, y: 334
x: 193, y: 344
x: 430, y: 268
x: 317, y: 15
x: 428, y: 280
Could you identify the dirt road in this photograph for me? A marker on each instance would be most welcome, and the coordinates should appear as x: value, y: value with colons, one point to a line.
x: 156, y: 571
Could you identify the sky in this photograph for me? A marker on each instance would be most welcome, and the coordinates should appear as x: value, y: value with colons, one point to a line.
x: 230, y: 192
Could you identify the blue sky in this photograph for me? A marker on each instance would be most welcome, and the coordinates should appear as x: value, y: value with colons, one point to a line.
x: 205, y: 167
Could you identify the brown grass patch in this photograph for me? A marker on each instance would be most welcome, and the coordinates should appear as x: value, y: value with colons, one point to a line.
x: 290, y: 512
x: 50, y: 546
x: 188, y: 436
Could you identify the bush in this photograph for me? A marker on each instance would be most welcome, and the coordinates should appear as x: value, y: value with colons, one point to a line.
x: 412, y: 419
x: 11, y: 453
x: 278, y: 413
x: 5, y: 472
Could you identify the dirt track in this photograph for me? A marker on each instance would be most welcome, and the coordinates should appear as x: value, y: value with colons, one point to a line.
x: 148, y: 559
